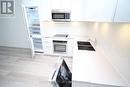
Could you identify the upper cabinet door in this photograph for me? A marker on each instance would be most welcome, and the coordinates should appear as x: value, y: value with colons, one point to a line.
x: 61, y: 4
x: 78, y: 10
x: 123, y: 11
x: 45, y: 10
x: 30, y: 2
x: 93, y: 10
x: 100, y: 10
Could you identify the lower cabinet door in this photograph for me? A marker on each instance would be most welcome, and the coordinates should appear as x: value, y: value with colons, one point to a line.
x: 48, y: 50
x: 47, y: 45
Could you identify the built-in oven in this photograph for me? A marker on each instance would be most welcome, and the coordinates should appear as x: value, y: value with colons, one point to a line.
x: 59, y: 46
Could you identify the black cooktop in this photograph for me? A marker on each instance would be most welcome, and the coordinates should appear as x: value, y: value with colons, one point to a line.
x: 82, y: 45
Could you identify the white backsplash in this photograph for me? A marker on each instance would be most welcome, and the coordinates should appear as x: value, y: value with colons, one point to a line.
x: 71, y: 28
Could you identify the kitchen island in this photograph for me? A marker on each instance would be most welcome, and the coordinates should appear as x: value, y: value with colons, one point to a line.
x: 91, y: 68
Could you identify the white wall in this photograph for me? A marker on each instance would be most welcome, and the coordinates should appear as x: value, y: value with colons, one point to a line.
x: 113, y: 39
x: 71, y: 28
x: 12, y: 30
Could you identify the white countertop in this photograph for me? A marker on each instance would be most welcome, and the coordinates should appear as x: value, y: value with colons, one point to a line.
x: 92, y: 66
x: 58, y: 38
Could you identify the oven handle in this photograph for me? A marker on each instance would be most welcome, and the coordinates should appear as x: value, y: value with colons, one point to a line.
x: 59, y: 41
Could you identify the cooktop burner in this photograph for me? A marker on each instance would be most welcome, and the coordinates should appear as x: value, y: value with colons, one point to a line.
x: 61, y: 35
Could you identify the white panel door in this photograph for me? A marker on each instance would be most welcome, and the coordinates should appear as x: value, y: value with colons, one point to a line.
x: 123, y: 11
x: 30, y: 2
x: 66, y: 4
x: 70, y: 47
x: 45, y: 10
x: 47, y: 45
x: 78, y: 10
x: 61, y: 4
x: 100, y: 10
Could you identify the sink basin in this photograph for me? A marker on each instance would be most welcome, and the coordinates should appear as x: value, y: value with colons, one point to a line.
x: 85, y: 46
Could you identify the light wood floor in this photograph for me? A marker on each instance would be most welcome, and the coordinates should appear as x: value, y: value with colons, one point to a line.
x: 18, y: 69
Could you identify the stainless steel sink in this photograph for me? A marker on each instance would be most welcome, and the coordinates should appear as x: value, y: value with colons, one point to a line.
x: 82, y: 45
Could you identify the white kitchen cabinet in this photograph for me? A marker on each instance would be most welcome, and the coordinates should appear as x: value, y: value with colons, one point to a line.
x: 70, y: 47
x: 61, y: 4
x: 100, y: 10
x: 47, y: 45
x: 123, y: 11
x: 30, y: 2
x: 45, y: 10
x: 93, y: 10
x: 78, y: 10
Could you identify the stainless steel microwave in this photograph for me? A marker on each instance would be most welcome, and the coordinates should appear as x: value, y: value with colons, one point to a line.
x: 61, y: 15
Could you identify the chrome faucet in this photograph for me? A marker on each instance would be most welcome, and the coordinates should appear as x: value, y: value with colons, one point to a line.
x: 93, y: 41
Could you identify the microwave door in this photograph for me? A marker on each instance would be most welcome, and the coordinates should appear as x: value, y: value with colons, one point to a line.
x: 61, y: 17
x: 58, y: 16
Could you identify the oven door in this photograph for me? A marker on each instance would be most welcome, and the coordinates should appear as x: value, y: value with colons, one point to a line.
x: 60, y: 47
